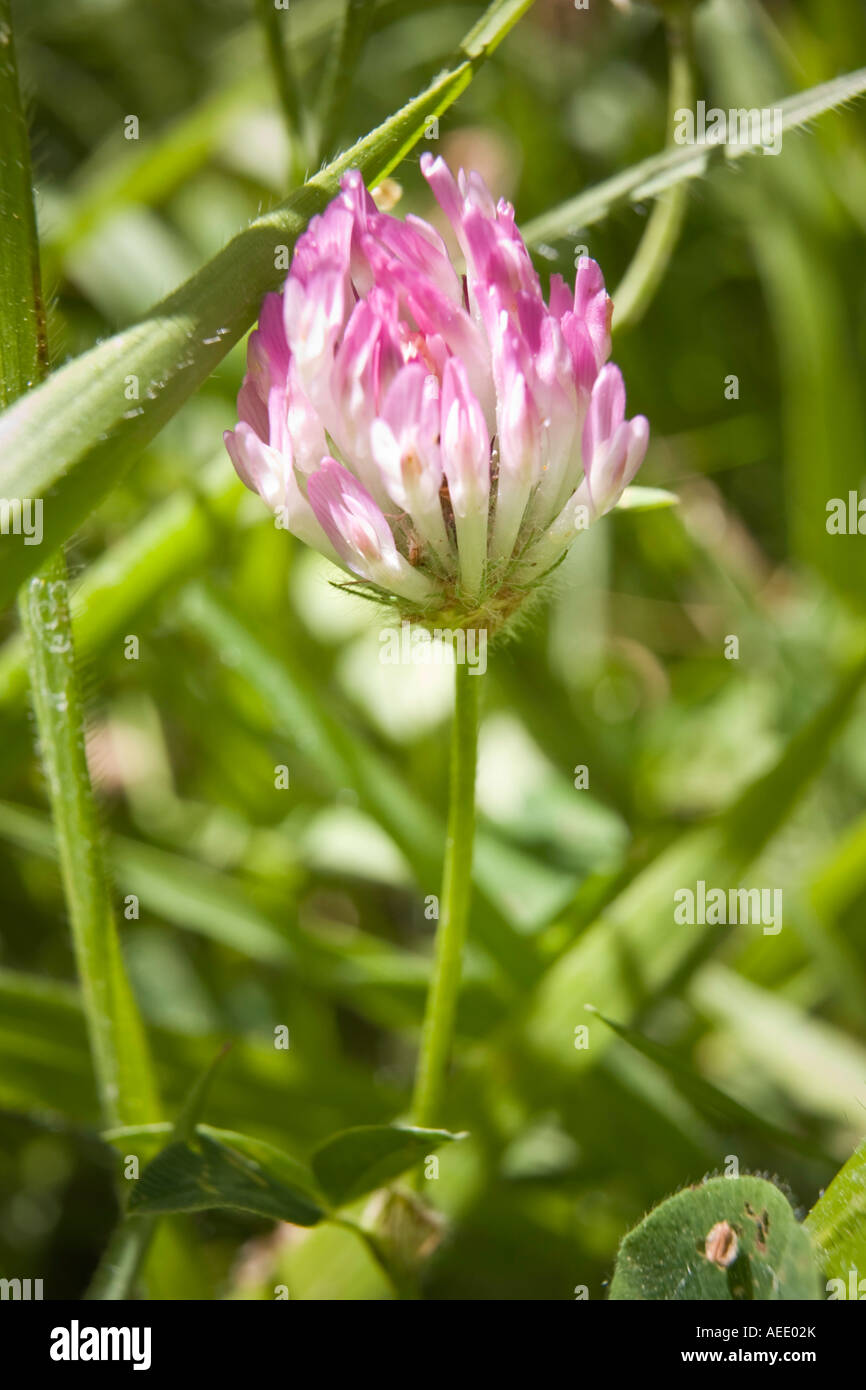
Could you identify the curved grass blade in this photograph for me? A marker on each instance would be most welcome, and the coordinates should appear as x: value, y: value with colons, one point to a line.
x: 709, y: 1099
x: 647, y: 267
x: 665, y: 170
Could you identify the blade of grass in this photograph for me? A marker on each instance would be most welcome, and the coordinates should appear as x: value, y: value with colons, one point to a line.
x: 273, y: 22
x: 45, y: 1068
x: 23, y: 340
x: 343, y: 60
x: 665, y: 170
x: 789, y: 213
x: 148, y: 172
x: 819, y: 1067
x: 709, y: 1099
x: 647, y: 268
x: 169, y: 886
x: 383, y: 983
x: 120, y: 1056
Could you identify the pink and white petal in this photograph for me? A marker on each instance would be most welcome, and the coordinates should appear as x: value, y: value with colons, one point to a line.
x: 594, y: 306
x: 360, y: 534
x: 465, y: 442
x: 252, y: 408
x: 606, y: 410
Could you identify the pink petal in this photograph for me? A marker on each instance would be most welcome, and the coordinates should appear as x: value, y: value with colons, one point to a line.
x: 349, y: 517
x: 465, y: 441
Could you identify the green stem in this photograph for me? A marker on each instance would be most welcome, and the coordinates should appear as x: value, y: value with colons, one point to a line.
x: 282, y: 68
x: 121, y: 1262
x: 438, y: 1030
x: 650, y: 261
x: 124, y: 1076
x: 121, y: 1061
x: 343, y: 60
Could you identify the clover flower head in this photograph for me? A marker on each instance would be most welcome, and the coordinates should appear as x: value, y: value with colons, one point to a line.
x: 442, y: 436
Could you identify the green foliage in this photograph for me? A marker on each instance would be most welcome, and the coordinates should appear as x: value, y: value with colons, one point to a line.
x: 837, y: 1221
x: 205, y: 1173
x: 213, y: 906
x: 355, y: 1162
x: 645, y: 499
x: 220, y: 1168
x: 730, y: 1238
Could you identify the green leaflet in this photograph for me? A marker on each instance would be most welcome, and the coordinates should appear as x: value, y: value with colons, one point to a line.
x: 355, y: 1162
x: 209, y: 1168
x: 203, y: 1173
x: 667, y: 1257
x: 646, y: 499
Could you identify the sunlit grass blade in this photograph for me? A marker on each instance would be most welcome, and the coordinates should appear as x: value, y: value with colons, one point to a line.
x: 837, y: 1223
x: 816, y: 1066
x: 663, y: 171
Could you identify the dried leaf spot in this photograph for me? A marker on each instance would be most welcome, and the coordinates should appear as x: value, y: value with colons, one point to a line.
x: 721, y: 1244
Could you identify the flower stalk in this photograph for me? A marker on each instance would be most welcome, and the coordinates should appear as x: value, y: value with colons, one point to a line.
x: 438, y: 1030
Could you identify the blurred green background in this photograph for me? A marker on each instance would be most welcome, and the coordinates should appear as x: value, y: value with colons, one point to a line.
x: 259, y: 907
